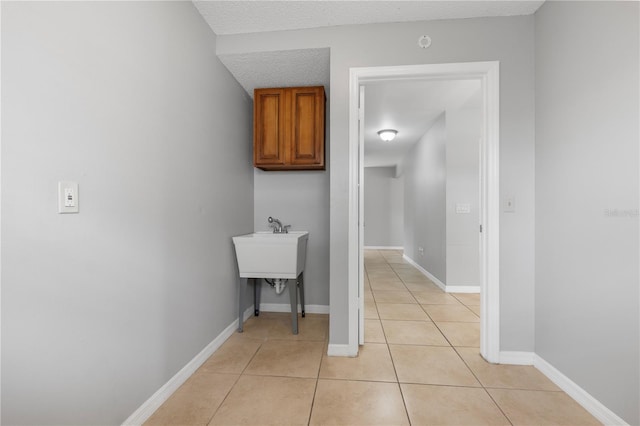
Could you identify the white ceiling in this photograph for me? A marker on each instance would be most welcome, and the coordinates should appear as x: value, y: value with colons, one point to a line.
x: 402, y: 106
x: 282, y: 68
x: 310, y: 67
x: 238, y: 17
x: 410, y: 107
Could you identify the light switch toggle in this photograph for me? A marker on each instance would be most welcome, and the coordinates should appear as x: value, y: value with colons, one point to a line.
x: 68, y: 197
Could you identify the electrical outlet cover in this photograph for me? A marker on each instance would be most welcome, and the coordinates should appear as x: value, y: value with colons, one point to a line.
x: 68, y: 201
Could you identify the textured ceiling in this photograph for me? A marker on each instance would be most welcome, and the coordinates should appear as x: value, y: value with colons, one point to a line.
x: 237, y: 17
x: 306, y: 67
x: 410, y: 107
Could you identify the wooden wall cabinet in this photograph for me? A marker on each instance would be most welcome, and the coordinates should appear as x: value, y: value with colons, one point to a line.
x: 288, y: 128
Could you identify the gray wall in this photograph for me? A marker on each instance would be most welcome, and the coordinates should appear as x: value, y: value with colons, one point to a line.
x: 464, y: 126
x: 101, y: 308
x: 301, y: 199
x: 383, y: 207
x: 587, y: 313
x: 509, y: 40
x: 425, y: 201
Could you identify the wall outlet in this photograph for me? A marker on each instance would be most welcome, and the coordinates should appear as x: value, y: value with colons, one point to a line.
x: 68, y: 201
x: 421, y: 251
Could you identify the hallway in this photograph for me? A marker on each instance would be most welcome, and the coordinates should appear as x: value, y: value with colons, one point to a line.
x: 420, y: 365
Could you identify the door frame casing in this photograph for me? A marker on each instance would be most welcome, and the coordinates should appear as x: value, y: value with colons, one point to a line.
x: 488, y: 74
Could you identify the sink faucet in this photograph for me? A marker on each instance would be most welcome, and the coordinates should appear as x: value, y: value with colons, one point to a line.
x: 277, y: 226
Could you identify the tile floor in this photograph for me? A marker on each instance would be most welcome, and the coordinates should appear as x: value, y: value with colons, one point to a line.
x: 420, y: 365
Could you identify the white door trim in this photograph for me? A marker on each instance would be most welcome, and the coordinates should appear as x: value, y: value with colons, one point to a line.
x: 488, y: 74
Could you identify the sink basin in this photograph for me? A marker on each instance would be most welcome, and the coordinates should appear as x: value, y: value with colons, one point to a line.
x: 269, y: 255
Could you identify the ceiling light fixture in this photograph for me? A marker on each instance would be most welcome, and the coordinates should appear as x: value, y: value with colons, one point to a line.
x: 387, y: 135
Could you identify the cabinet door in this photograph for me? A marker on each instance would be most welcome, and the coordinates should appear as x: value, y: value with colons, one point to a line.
x: 269, y: 127
x: 306, y: 136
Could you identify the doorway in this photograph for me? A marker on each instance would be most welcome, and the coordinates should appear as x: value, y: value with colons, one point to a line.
x: 487, y: 74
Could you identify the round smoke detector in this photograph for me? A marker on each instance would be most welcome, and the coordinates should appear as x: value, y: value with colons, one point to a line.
x: 424, y: 41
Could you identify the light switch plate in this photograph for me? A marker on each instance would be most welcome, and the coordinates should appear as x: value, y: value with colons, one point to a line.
x: 68, y: 200
x: 463, y: 208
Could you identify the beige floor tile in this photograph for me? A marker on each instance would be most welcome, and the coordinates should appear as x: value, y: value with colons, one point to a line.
x: 393, y: 297
x: 373, y: 256
x: 505, y: 376
x: 259, y: 327
x: 461, y: 333
x: 267, y: 401
x: 388, y: 285
x: 271, y: 315
x: 373, y: 332
x: 445, y: 405
x: 195, y: 402
x: 423, y: 287
x: 401, y: 311
x: 413, y: 277
x: 469, y: 299
x: 277, y: 325
x: 287, y: 358
x: 413, y: 333
x: 370, y: 310
x: 372, y: 363
x: 539, y: 408
x: 457, y: 313
x: 404, y: 267
x: 376, y: 265
x: 341, y: 402
x: 381, y: 275
x: 434, y: 365
x: 372, y: 253
x: 475, y: 309
x: 233, y: 356
x: 435, y: 298
x: 314, y: 328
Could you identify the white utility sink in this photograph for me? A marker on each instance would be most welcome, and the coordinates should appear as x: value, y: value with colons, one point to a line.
x: 269, y: 255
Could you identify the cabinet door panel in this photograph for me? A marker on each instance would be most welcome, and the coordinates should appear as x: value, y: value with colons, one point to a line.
x: 269, y: 127
x: 307, y: 131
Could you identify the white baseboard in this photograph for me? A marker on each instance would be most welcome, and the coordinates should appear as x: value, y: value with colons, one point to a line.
x: 463, y: 289
x: 150, y: 406
x: 516, y: 358
x: 425, y: 272
x: 286, y: 307
x: 341, y: 350
x: 445, y: 288
x: 383, y: 248
x: 582, y: 397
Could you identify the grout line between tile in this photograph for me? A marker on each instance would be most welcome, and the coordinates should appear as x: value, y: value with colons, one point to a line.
x: 224, y: 399
x: 482, y: 385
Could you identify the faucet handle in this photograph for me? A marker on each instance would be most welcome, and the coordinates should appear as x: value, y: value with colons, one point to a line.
x: 285, y: 229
